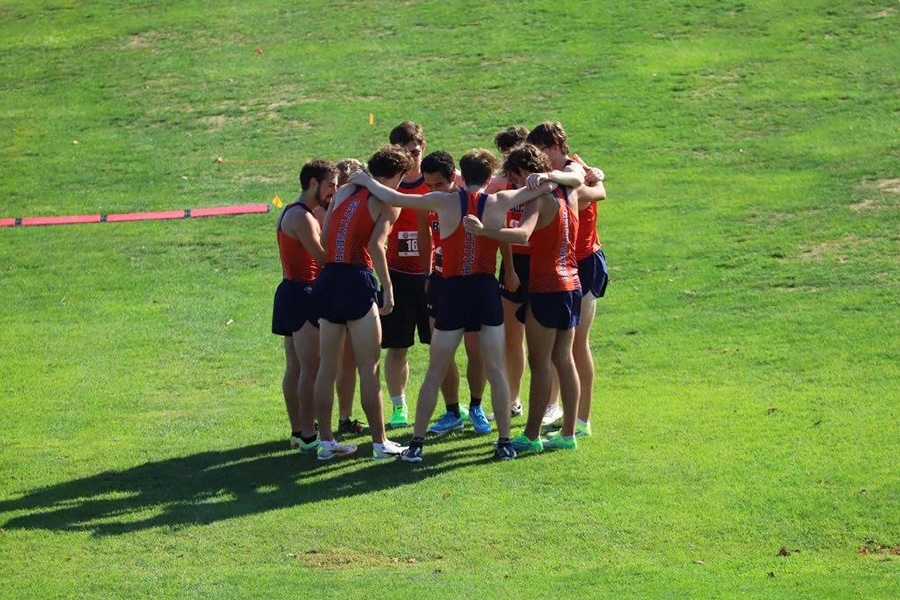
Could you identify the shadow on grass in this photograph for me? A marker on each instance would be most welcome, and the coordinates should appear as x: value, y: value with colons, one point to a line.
x: 211, y: 486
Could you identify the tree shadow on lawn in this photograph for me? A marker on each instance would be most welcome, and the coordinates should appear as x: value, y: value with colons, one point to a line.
x: 211, y: 486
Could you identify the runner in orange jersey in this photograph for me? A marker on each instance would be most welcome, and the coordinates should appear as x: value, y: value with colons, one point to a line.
x: 409, y: 262
x: 356, y: 229
x: 551, y: 138
x: 293, y: 316
x: 439, y: 171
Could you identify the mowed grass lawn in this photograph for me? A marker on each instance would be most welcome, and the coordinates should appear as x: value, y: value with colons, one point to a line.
x: 746, y: 409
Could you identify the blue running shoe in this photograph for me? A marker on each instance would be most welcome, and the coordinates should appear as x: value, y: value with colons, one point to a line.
x: 479, y: 421
x: 449, y: 422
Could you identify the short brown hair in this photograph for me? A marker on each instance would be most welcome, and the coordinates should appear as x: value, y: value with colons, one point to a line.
x: 346, y: 168
x: 315, y: 169
x: 527, y: 159
x: 549, y: 134
x: 388, y: 161
x: 407, y: 132
x: 478, y: 166
x: 510, y: 137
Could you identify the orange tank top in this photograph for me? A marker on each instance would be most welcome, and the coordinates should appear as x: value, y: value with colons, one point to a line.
x: 553, y: 264
x: 587, y: 242
x: 403, y: 241
x: 513, y: 218
x: 464, y: 253
x: 350, y: 230
x: 297, y: 264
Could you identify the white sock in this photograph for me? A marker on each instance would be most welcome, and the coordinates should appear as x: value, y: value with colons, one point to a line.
x: 398, y: 401
x: 582, y: 423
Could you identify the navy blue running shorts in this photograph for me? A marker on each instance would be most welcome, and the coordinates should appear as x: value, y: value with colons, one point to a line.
x: 594, y: 274
x: 435, y: 281
x: 469, y: 302
x: 293, y: 307
x: 556, y: 310
x: 344, y: 292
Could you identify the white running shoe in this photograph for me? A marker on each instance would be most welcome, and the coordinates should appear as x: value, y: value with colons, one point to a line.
x: 333, y: 449
x: 553, y: 414
x: 388, y: 449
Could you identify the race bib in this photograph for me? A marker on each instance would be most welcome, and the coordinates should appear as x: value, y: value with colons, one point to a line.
x: 407, y: 243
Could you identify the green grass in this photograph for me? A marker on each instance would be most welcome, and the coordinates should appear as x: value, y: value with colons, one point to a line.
x: 747, y: 352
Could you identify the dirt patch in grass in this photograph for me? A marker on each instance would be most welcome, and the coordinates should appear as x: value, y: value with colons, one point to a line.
x: 295, y: 124
x: 889, y: 185
x: 341, y: 559
x: 142, y: 41
x: 882, y: 199
x: 838, y: 250
x: 888, y: 12
x: 215, y: 122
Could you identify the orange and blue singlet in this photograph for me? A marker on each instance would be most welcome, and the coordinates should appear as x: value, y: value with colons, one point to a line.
x: 464, y: 253
x: 297, y: 264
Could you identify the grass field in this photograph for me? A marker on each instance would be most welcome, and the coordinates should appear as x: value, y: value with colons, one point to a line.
x: 746, y: 415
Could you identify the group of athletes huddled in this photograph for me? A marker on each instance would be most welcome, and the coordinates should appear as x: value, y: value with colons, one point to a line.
x: 431, y: 234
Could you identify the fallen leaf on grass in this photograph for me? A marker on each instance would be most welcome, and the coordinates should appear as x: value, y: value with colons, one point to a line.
x: 784, y: 552
x: 771, y: 574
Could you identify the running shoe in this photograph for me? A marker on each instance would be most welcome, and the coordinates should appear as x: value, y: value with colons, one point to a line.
x: 553, y: 414
x: 505, y: 451
x: 331, y: 450
x: 387, y: 449
x: 464, y: 413
x: 560, y: 442
x: 449, y: 422
x: 351, y: 427
x: 479, y: 422
x: 516, y: 410
x: 298, y: 443
x: 400, y: 418
x: 522, y: 445
x: 413, y: 454
x: 580, y: 430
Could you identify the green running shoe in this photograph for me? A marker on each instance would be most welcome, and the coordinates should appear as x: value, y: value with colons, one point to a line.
x: 522, y: 445
x: 299, y: 444
x: 580, y: 431
x: 560, y: 442
x: 400, y: 418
